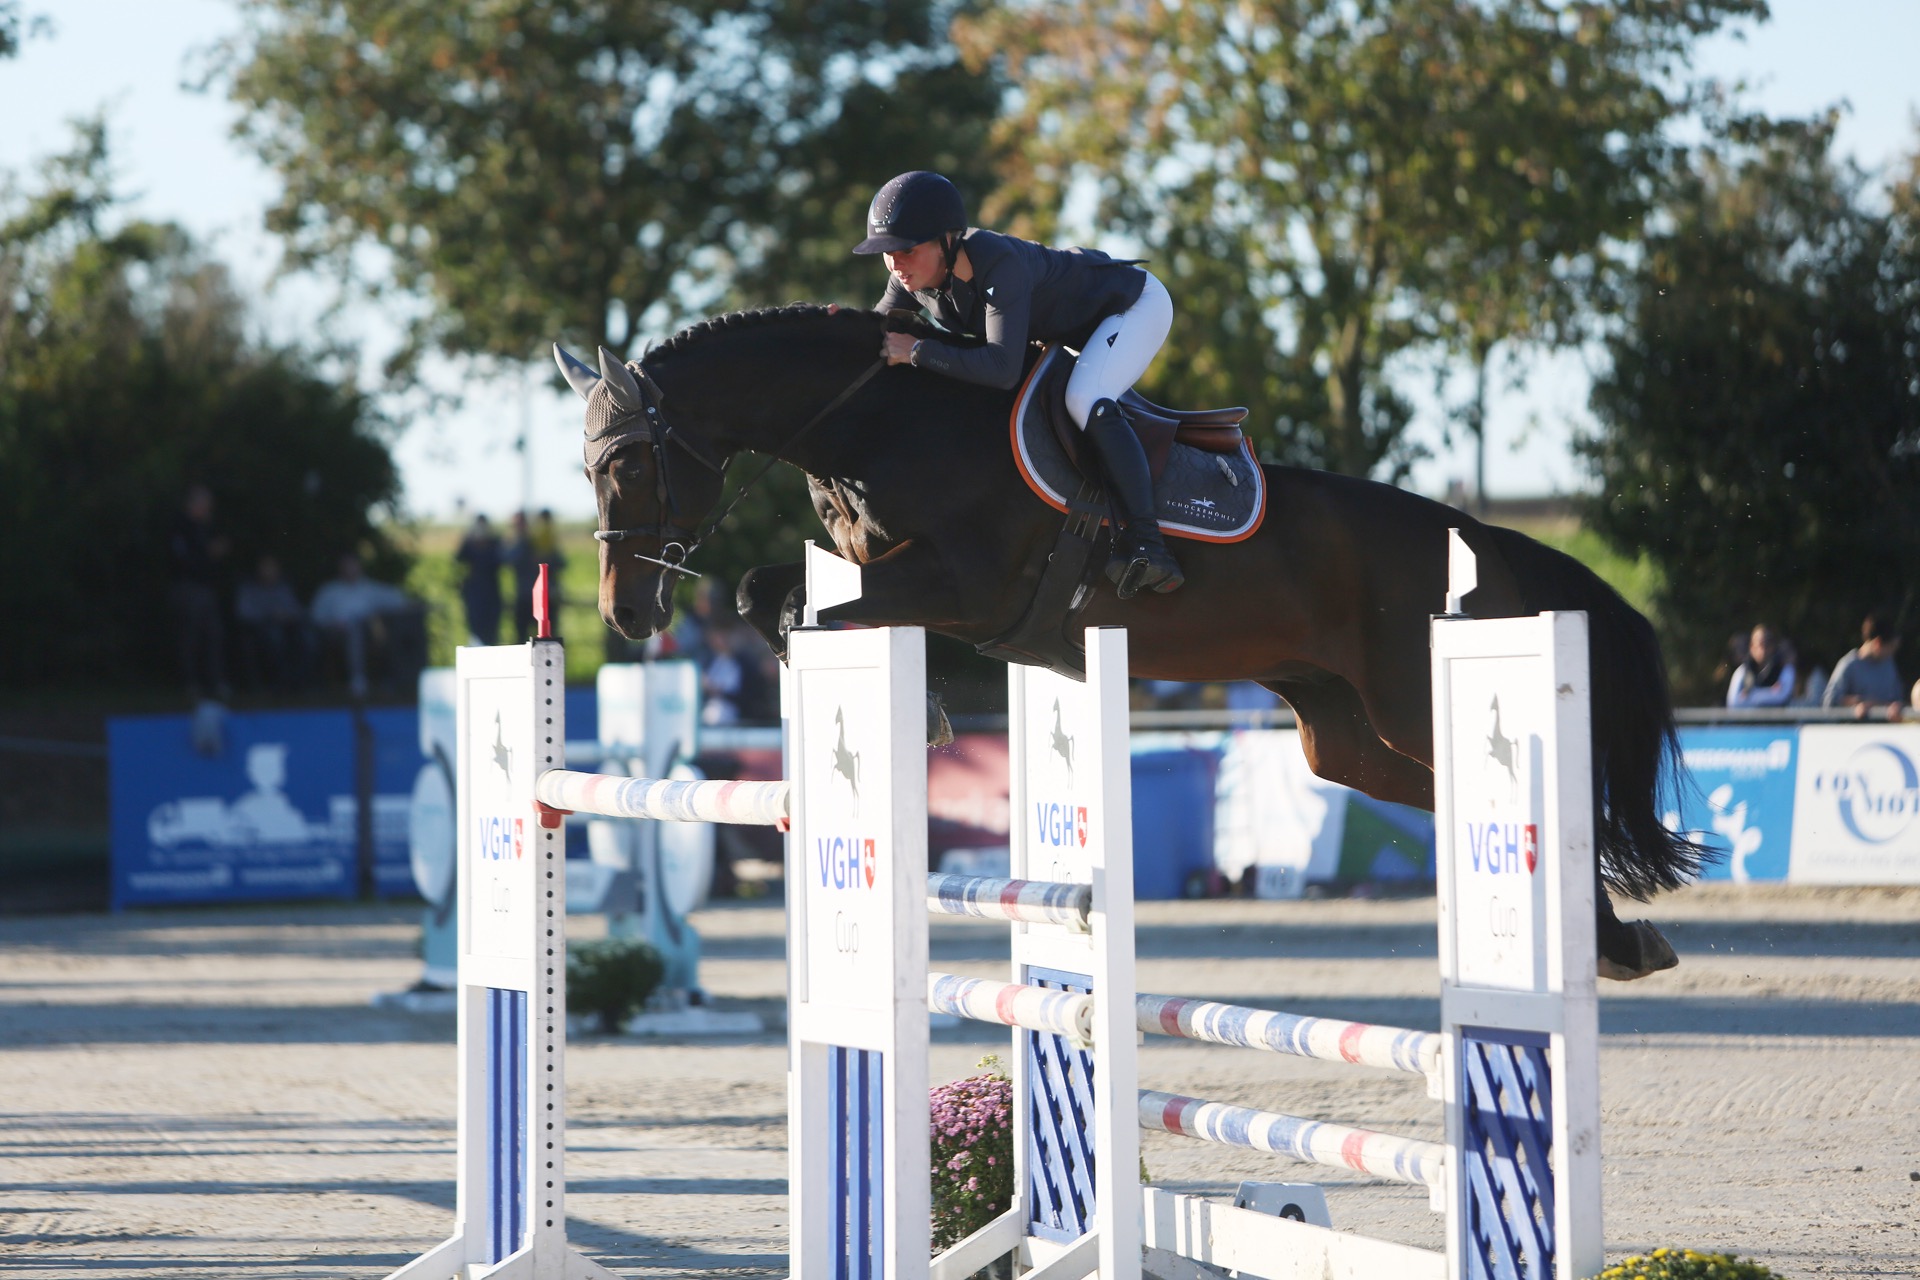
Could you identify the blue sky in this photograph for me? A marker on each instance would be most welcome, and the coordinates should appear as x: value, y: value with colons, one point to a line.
x: 176, y: 157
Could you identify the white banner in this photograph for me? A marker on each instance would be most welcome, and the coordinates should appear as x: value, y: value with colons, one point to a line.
x: 1856, y: 805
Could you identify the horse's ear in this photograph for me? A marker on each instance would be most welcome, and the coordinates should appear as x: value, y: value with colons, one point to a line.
x: 578, y: 373
x: 626, y: 392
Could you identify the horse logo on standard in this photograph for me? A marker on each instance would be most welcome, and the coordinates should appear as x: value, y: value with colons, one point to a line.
x: 845, y: 763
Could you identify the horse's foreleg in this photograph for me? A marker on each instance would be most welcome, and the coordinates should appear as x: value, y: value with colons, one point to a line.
x: 763, y: 598
x: 1341, y: 745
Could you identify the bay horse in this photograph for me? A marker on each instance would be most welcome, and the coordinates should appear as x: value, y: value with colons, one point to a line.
x: 1328, y: 604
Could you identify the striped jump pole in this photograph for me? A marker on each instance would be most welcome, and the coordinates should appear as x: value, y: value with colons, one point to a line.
x: 1014, y: 1004
x: 1031, y: 901
x: 758, y: 804
x: 1384, y: 1155
x: 1331, y: 1039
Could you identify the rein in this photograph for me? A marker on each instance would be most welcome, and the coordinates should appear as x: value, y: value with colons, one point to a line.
x: 674, y: 554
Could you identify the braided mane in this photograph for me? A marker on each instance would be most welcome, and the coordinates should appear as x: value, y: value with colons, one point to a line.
x: 699, y: 331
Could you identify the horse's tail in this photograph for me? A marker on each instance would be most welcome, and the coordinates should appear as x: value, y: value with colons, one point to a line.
x: 1633, y: 729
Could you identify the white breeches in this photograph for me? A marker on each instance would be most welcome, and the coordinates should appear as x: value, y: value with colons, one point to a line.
x: 1120, y: 350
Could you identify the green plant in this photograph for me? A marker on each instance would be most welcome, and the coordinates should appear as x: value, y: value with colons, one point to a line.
x: 1685, y: 1264
x: 612, y: 977
x: 972, y: 1153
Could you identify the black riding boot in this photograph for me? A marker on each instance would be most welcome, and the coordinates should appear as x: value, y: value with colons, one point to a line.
x: 1140, y: 557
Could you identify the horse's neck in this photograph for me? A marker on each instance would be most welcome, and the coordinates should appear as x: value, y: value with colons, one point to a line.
x: 766, y: 400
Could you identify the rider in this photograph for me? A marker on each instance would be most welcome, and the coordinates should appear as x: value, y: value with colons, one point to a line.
x: 1007, y: 291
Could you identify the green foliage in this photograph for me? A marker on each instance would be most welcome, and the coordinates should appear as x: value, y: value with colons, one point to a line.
x: 1636, y: 578
x: 1331, y: 187
x: 612, y: 978
x: 126, y: 376
x: 568, y: 169
x: 972, y: 1153
x: 1760, y: 422
x: 1685, y: 1264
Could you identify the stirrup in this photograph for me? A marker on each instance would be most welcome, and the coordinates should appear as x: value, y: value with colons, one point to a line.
x: 1138, y: 567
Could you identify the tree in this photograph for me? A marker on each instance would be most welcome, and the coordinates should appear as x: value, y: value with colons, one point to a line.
x: 125, y: 377
x: 1346, y: 183
x: 539, y: 169
x: 1759, y: 432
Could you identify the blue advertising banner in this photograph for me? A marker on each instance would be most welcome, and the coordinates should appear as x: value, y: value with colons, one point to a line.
x: 1741, y: 800
x: 395, y: 743
x: 271, y: 816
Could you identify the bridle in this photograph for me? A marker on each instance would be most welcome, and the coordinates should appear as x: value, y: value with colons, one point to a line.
x: 650, y: 424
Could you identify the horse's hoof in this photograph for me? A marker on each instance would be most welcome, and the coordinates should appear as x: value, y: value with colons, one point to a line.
x: 1652, y: 953
x: 939, y: 728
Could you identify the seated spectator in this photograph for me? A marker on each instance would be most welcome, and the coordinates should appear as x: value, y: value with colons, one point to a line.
x: 375, y: 627
x: 1766, y: 675
x: 1866, y: 679
x: 276, y: 645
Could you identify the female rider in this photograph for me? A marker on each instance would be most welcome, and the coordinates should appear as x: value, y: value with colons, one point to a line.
x: 1008, y: 291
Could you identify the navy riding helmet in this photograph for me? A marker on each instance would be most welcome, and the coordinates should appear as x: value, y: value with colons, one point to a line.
x: 912, y: 209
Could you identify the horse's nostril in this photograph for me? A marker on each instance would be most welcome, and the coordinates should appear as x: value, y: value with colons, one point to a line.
x: 623, y: 615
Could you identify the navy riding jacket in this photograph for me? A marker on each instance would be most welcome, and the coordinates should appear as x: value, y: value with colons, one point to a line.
x: 1020, y: 292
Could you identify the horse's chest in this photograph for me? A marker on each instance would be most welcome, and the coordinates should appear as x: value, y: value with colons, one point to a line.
x: 846, y: 510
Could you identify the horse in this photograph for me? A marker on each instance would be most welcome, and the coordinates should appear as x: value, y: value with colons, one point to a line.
x: 1328, y: 604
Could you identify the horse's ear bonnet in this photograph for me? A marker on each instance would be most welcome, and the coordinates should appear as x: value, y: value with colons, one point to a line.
x: 617, y: 411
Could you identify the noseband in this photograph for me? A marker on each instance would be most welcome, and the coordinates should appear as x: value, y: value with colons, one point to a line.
x: 651, y: 426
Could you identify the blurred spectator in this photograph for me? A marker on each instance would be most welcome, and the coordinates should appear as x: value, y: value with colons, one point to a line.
x: 276, y: 645
x: 375, y: 627
x: 1866, y: 679
x: 533, y: 545
x: 199, y: 631
x: 1767, y: 674
x: 520, y: 558
x: 710, y: 608
x: 481, y: 553
x: 722, y: 678
x: 735, y: 681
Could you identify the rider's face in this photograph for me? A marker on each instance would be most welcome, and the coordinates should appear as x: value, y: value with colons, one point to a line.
x: 921, y: 267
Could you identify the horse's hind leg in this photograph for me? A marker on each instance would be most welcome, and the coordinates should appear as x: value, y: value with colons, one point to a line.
x: 1341, y: 745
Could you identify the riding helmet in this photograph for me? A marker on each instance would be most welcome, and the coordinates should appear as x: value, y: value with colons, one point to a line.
x: 912, y: 209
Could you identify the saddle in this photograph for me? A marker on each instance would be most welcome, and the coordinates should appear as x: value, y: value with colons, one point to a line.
x: 1159, y: 428
x: 1207, y: 483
